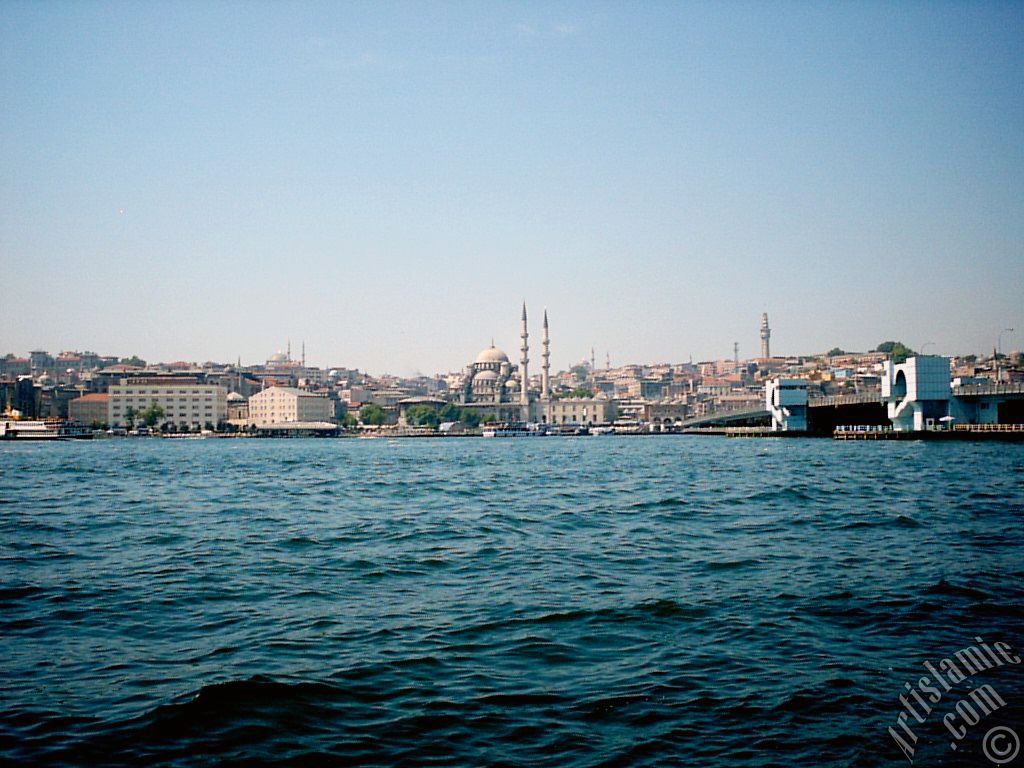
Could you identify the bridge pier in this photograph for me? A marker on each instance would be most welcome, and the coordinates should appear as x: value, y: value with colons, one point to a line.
x: 917, y: 393
x: 786, y: 401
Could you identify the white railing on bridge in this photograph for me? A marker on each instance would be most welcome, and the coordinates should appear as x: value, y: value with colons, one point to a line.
x: 973, y: 390
x: 859, y: 398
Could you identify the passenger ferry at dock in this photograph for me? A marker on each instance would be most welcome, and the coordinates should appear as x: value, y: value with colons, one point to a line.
x: 48, y: 429
x: 515, y: 430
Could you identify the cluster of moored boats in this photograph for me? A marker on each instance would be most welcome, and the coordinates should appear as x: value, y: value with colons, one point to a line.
x: 545, y: 430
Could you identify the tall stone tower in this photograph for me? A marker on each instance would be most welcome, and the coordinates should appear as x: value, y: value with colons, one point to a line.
x: 545, y: 378
x: 766, y: 334
x: 524, y: 381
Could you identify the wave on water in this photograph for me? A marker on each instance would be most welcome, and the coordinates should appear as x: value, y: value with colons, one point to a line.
x: 576, y: 603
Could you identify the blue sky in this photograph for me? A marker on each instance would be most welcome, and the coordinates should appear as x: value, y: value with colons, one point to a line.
x: 390, y: 181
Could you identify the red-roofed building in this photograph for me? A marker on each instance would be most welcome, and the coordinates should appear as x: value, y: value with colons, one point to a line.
x: 90, y: 409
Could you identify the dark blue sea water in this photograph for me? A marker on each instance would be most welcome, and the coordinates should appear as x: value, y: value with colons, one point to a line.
x: 535, y: 602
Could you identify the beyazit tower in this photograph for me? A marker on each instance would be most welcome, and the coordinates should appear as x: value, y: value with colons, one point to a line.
x: 766, y: 334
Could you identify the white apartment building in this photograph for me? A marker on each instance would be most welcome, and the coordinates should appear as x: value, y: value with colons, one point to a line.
x: 184, y: 401
x: 287, y: 404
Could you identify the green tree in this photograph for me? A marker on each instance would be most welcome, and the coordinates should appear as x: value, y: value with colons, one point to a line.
x: 450, y: 412
x: 372, y: 414
x: 134, y: 360
x: 151, y: 415
x: 422, y: 416
x: 129, y: 417
x: 835, y: 352
x: 348, y: 421
x: 970, y: 358
x: 580, y: 372
x: 897, y: 351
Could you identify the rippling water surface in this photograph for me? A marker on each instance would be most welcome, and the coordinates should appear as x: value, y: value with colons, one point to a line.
x: 562, y: 602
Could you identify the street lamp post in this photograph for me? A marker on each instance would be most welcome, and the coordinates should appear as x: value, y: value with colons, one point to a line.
x: 999, y: 340
x: 999, y: 352
x: 925, y: 345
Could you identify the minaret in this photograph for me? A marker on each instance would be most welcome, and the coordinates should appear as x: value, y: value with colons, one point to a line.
x: 303, y: 353
x: 524, y: 376
x: 736, y: 355
x: 766, y: 334
x: 545, y: 378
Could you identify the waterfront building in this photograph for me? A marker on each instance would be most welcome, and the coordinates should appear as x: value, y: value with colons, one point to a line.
x: 238, y: 409
x: 185, y: 402
x: 585, y: 411
x: 278, y: 405
x: 91, y: 409
x: 668, y: 412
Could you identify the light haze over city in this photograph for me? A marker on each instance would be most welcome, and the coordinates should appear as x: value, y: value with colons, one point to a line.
x: 388, y: 182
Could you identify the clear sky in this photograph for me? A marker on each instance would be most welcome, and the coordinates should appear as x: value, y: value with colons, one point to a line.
x: 389, y: 181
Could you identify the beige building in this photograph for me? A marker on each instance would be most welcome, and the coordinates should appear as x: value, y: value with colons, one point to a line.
x: 90, y: 410
x: 278, y: 405
x: 578, y: 410
x: 184, y: 401
x: 238, y: 409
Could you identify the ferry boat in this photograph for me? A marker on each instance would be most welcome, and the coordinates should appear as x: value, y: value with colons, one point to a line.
x: 569, y: 430
x: 48, y: 429
x: 515, y: 430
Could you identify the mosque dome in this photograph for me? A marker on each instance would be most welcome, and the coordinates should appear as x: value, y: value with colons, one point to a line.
x: 280, y: 357
x: 492, y: 355
x: 485, y: 376
x: 234, y: 397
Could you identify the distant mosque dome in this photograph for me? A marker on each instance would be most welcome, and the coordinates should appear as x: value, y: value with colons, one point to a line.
x: 280, y: 357
x: 234, y: 397
x: 492, y: 355
x: 494, y: 380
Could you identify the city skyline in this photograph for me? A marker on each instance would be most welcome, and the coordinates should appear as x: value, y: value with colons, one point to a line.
x: 389, y: 182
x: 601, y: 361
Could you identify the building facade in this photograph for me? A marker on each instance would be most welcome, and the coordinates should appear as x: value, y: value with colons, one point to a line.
x: 585, y: 411
x: 277, y: 405
x: 185, y: 402
x: 91, y: 410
